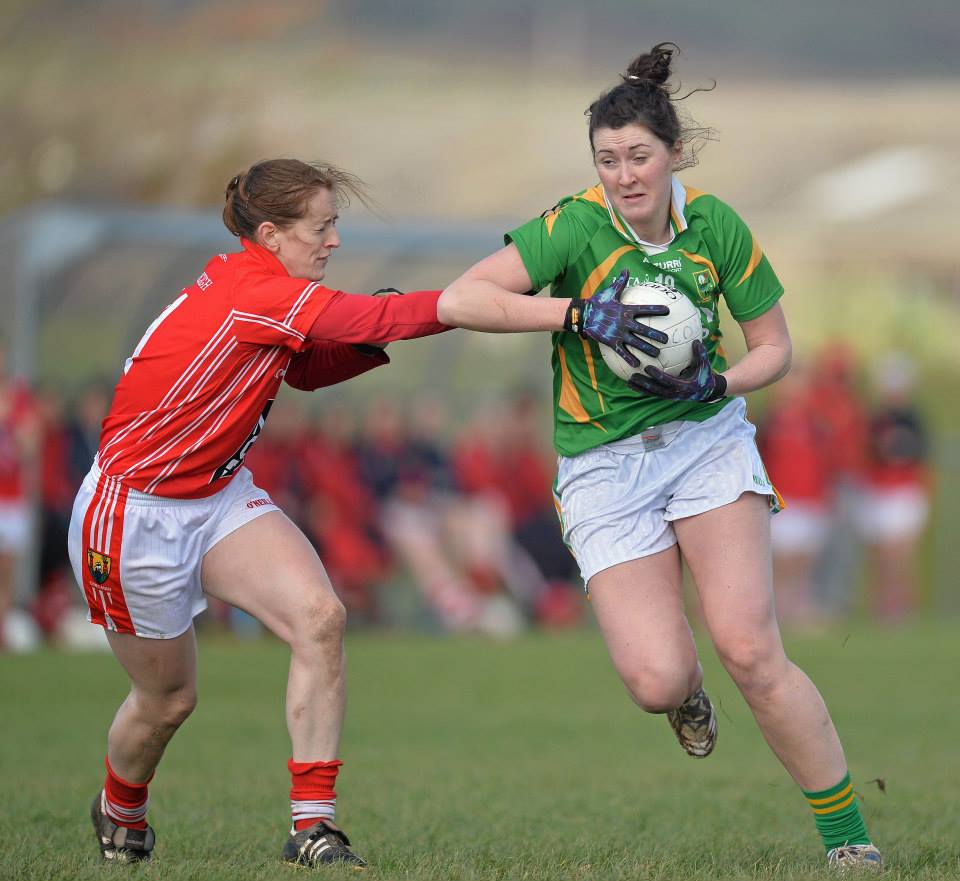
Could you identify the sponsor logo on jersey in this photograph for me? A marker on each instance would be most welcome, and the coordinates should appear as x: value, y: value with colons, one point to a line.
x: 99, y: 565
x: 228, y: 468
x: 670, y: 265
x: 204, y: 282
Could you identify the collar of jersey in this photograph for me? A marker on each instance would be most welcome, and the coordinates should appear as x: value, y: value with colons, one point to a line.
x: 262, y: 255
x: 678, y: 222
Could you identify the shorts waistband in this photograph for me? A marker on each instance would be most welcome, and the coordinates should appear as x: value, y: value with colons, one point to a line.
x: 137, y: 497
x: 653, y: 437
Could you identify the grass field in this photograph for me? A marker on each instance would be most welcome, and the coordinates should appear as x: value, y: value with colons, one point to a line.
x: 473, y: 760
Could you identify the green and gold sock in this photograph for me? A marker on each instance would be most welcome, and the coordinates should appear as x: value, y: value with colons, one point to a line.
x: 837, y: 815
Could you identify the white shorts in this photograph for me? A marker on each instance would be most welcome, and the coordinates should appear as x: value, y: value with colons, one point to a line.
x: 801, y: 528
x: 14, y: 527
x: 138, y: 556
x: 892, y: 513
x: 617, y: 501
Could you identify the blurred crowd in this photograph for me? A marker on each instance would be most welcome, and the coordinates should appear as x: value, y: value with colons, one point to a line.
x: 847, y: 448
x: 461, y: 508
x: 391, y: 496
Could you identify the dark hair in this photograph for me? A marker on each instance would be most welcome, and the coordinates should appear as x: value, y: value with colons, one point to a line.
x: 644, y: 97
x: 277, y: 190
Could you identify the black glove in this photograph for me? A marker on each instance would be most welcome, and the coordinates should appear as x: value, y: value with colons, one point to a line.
x: 697, y: 382
x: 606, y: 320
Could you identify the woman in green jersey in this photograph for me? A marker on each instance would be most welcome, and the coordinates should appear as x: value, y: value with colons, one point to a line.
x: 661, y: 468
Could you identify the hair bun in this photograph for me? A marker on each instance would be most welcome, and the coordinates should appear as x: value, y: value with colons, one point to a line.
x: 233, y: 185
x: 653, y: 66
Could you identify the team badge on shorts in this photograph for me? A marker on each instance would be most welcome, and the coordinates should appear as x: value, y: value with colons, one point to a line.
x: 99, y: 565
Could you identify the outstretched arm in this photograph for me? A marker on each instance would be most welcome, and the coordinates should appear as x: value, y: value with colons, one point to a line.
x: 493, y: 296
x: 353, y: 318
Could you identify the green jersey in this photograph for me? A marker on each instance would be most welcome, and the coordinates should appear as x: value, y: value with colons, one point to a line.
x: 582, y: 244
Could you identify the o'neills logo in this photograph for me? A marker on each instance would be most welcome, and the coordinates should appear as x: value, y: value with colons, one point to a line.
x: 258, y: 503
x: 99, y: 565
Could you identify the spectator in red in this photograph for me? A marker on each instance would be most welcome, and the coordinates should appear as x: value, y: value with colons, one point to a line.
x: 57, y: 489
x: 328, y: 466
x: 340, y: 516
x: 525, y: 474
x: 843, y: 418
x: 898, y: 495
x: 19, y: 441
x: 793, y: 445
x: 501, y: 464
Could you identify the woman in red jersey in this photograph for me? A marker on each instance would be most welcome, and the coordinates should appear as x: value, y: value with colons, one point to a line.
x: 169, y: 514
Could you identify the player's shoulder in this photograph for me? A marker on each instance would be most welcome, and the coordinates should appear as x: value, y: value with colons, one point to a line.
x: 707, y: 209
x: 702, y: 204
x: 255, y: 270
x: 586, y: 208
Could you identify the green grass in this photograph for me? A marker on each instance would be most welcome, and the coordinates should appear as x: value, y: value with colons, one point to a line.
x: 474, y: 760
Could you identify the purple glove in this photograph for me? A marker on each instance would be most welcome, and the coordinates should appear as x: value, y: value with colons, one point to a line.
x: 606, y: 320
x: 698, y: 382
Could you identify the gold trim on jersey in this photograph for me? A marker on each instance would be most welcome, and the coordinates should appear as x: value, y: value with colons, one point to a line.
x: 593, y: 194
x: 550, y: 220
x: 588, y: 355
x: 703, y: 261
x: 755, y: 257
x: 596, y: 277
x: 569, y: 397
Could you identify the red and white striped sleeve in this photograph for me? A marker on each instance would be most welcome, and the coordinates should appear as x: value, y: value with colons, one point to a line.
x: 274, y: 310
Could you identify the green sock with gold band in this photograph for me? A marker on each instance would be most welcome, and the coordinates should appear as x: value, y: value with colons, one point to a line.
x: 837, y: 815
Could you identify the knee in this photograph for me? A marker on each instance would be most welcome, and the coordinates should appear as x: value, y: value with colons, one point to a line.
x: 756, y: 668
x: 180, y: 706
x: 320, y: 626
x: 170, y: 710
x: 657, y: 691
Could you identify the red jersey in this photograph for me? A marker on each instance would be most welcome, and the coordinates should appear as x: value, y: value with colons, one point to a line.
x: 794, y: 449
x: 195, y: 394
x: 16, y: 423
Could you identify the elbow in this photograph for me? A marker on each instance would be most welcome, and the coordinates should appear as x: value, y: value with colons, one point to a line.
x: 786, y: 356
x: 298, y: 382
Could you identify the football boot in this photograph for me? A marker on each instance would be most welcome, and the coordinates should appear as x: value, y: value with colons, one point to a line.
x: 695, y: 724
x: 120, y: 844
x: 855, y: 858
x: 320, y: 844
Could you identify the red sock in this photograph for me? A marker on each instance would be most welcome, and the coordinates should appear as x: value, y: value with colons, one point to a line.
x: 312, y: 796
x: 123, y: 802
